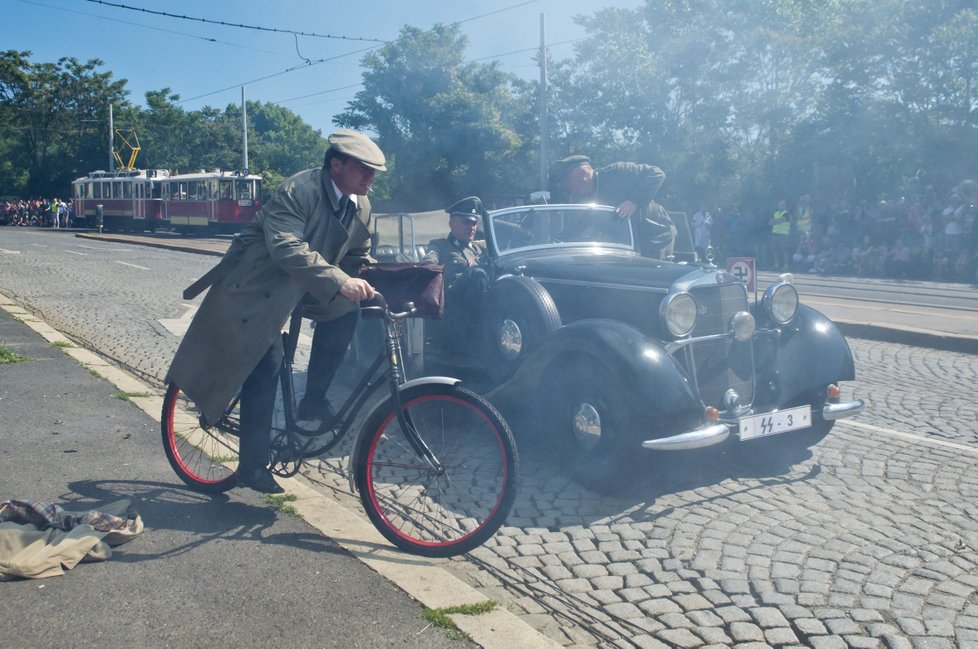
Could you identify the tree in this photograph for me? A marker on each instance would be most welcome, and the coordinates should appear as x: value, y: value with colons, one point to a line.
x: 445, y: 125
x: 279, y: 142
x: 55, y: 114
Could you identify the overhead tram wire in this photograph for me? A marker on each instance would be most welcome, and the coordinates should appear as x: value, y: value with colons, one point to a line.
x: 207, y: 39
x: 306, y: 62
x: 238, y: 25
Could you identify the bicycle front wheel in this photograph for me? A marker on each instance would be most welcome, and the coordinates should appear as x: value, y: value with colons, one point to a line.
x: 426, y: 511
x: 203, y: 455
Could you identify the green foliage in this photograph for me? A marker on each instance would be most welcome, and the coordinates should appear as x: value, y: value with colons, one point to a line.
x: 280, y: 502
x: 53, y: 116
x: 446, y: 125
x: 439, y: 616
x: 7, y: 355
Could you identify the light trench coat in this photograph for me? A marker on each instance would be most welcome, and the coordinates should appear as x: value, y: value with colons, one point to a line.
x: 294, y: 246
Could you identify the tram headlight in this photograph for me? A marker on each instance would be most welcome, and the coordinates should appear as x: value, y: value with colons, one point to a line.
x: 781, y: 302
x: 678, y: 312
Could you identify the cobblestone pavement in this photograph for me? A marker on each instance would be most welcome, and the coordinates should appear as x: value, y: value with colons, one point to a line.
x: 870, y: 540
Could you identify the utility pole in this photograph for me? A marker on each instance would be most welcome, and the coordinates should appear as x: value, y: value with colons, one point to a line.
x: 111, y: 136
x: 544, y: 120
x: 244, y: 133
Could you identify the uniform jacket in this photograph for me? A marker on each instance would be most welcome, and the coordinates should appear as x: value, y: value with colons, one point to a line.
x: 629, y: 181
x: 294, y: 246
x: 454, y: 256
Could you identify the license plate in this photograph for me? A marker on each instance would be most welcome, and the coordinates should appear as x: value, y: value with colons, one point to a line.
x: 774, y: 423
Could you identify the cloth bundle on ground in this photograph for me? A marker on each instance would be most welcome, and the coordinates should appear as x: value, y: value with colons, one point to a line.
x: 41, y: 539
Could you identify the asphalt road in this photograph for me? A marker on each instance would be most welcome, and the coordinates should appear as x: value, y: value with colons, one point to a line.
x: 869, y: 541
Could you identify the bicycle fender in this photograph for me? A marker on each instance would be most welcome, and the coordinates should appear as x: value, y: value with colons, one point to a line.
x: 354, y: 452
x: 444, y: 380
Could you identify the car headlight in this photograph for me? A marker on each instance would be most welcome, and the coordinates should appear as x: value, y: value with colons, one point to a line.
x: 742, y: 326
x: 781, y: 302
x: 678, y: 312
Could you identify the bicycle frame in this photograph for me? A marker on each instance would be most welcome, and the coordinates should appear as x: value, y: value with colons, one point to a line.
x: 371, y: 380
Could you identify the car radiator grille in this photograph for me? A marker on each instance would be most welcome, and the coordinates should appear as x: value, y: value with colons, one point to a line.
x: 719, y: 365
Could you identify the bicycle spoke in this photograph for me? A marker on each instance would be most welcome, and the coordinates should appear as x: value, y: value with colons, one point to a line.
x: 445, y: 511
x: 204, y: 456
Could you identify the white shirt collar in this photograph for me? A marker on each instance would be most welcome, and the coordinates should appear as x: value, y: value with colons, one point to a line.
x: 339, y: 194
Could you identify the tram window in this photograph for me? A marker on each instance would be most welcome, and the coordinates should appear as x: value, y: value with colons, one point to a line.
x: 117, y: 189
x: 97, y: 187
x: 155, y: 189
x: 212, y: 190
x: 244, y: 189
x: 127, y: 190
x: 226, y: 189
x: 89, y: 189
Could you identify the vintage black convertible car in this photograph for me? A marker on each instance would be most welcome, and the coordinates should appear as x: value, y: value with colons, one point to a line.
x: 615, y: 352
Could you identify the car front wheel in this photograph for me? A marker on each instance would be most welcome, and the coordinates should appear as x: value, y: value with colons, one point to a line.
x: 591, y: 416
x: 520, y: 313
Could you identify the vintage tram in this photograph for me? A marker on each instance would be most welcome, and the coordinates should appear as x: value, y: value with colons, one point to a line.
x: 129, y: 200
x: 215, y: 202
x: 134, y: 200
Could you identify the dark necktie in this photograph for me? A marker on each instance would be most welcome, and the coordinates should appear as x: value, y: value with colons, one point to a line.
x: 344, y: 212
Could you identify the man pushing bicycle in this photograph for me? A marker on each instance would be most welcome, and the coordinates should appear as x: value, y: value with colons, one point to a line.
x: 306, y: 239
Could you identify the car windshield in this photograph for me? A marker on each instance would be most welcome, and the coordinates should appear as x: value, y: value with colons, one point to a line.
x: 558, y: 225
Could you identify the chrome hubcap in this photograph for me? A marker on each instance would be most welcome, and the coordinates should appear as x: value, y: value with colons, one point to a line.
x: 510, y: 339
x: 587, y: 425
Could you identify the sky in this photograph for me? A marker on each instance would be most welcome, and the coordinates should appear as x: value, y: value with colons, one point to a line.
x: 207, y: 63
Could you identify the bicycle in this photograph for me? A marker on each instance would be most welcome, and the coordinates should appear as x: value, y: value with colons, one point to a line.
x: 435, y: 464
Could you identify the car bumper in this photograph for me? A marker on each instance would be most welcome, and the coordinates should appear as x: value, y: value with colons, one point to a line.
x: 717, y: 433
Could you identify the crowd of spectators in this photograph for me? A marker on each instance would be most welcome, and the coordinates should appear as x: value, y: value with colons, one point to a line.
x: 920, y: 237
x: 37, y: 212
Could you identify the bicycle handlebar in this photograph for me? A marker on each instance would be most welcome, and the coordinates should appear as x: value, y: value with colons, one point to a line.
x: 382, y: 307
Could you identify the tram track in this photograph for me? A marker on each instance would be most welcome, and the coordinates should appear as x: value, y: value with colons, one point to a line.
x: 919, y: 294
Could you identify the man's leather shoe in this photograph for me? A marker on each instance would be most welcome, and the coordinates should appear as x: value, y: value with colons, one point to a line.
x: 259, y: 479
x: 310, y: 409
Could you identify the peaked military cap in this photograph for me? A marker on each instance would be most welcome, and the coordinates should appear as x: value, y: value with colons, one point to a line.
x: 359, y: 147
x: 468, y: 208
x: 570, y: 162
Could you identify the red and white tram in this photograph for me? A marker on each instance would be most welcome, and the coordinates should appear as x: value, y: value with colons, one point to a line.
x: 216, y: 202
x: 131, y: 200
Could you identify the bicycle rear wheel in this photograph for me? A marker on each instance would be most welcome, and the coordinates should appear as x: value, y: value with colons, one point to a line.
x: 430, y: 513
x: 204, y: 456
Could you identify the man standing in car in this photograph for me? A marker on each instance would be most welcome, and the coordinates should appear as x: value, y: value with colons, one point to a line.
x: 302, y: 241
x: 628, y: 187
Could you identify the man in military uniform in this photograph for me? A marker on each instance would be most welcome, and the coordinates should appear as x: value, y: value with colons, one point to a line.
x: 628, y: 187
x: 309, y: 238
x: 465, y: 280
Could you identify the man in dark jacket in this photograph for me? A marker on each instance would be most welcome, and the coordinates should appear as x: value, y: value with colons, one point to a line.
x: 628, y: 187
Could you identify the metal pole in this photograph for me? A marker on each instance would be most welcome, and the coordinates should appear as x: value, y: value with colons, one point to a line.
x: 544, y: 121
x: 244, y: 132
x: 111, y: 136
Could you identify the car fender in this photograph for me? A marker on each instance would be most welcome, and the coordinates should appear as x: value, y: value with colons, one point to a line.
x: 811, y: 353
x: 653, y: 384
